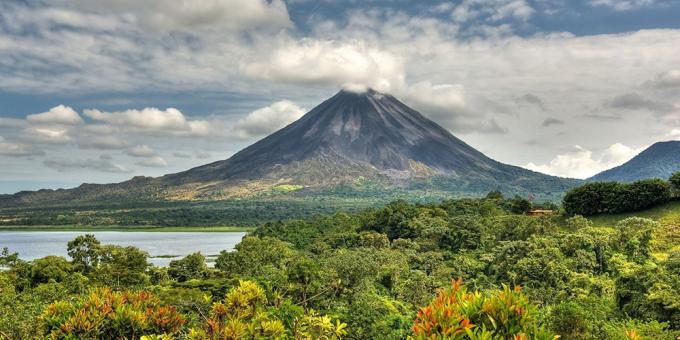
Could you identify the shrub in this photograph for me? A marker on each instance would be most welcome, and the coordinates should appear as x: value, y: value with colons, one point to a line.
x: 105, y: 314
x: 458, y: 314
x: 244, y: 313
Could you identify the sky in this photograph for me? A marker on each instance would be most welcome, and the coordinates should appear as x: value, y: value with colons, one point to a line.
x: 100, y: 91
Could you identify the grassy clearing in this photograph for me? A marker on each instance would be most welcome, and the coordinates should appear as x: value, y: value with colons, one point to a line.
x: 666, y: 214
x: 220, y: 229
x: 667, y: 237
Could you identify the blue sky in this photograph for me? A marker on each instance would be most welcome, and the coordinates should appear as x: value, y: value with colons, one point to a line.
x: 100, y: 91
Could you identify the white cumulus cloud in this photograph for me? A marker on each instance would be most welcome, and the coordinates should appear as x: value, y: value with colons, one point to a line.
x: 46, y: 135
x: 268, y: 119
x: 57, y: 115
x: 311, y: 61
x: 170, y: 121
x: 582, y: 163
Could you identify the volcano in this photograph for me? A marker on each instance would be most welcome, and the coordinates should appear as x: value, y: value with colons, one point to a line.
x: 351, y: 141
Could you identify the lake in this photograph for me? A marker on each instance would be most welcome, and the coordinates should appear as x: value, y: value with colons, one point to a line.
x: 168, y: 245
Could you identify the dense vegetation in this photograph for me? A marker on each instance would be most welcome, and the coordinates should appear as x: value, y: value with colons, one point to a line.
x: 461, y: 269
x: 236, y: 212
x: 246, y: 212
x: 614, y: 197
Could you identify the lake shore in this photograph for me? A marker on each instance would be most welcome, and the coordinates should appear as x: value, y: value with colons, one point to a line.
x: 146, y: 228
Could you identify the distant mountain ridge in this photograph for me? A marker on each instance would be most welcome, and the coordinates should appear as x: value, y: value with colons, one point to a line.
x: 660, y: 160
x: 350, y: 141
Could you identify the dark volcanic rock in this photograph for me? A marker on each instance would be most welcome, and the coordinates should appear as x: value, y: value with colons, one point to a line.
x: 368, y: 128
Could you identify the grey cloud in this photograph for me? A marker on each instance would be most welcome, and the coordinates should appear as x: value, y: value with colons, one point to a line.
x: 665, y: 80
x: 153, y: 162
x: 624, y: 5
x: 601, y: 116
x: 18, y: 149
x: 101, y: 143
x: 101, y: 165
x: 141, y: 151
x: 635, y: 101
x: 181, y: 155
x: 552, y: 121
x: 492, y: 10
x: 492, y: 126
x: 187, y: 15
x: 12, y: 122
x: 532, y: 99
x: 202, y: 154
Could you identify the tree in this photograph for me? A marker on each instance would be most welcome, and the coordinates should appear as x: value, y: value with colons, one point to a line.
x: 635, y: 237
x: 644, y: 194
x: 612, y: 197
x: 494, y: 195
x: 190, y: 267
x: 122, y: 266
x: 253, y: 254
x: 577, y: 222
x: 591, y: 198
x: 7, y: 259
x: 519, y: 205
x: 51, y: 268
x: 675, y: 183
x: 84, y: 251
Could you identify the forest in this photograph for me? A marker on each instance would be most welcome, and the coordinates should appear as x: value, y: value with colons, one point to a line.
x: 456, y: 269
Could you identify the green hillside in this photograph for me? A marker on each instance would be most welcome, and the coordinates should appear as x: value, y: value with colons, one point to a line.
x: 667, y: 236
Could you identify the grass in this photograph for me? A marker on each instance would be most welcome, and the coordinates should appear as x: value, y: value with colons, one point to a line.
x: 221, y: 229
x: 667, y: 236
x: 668, y: 213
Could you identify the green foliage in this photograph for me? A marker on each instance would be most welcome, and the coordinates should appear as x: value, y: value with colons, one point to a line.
x: 577, y: 222
x: 8, y: 259
x: 122, y: 266
x: 106, y: 314
x: 190, y: 267
x: 245, y: 313
x: 85, y: 252
x: 519, y: 205
x: 458, y: 314
x: 675, y: 183
x: 253, y: 254
x: 51, y: 268
x: 612, y: 197
x: 614, y: 277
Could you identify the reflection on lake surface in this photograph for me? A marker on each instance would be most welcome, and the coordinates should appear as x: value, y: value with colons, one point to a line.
x: 169, y: 245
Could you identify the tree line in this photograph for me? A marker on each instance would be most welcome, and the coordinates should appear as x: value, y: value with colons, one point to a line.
x: 614, y: 197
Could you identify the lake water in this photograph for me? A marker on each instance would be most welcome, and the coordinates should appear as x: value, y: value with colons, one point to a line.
x: 170, y: 245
